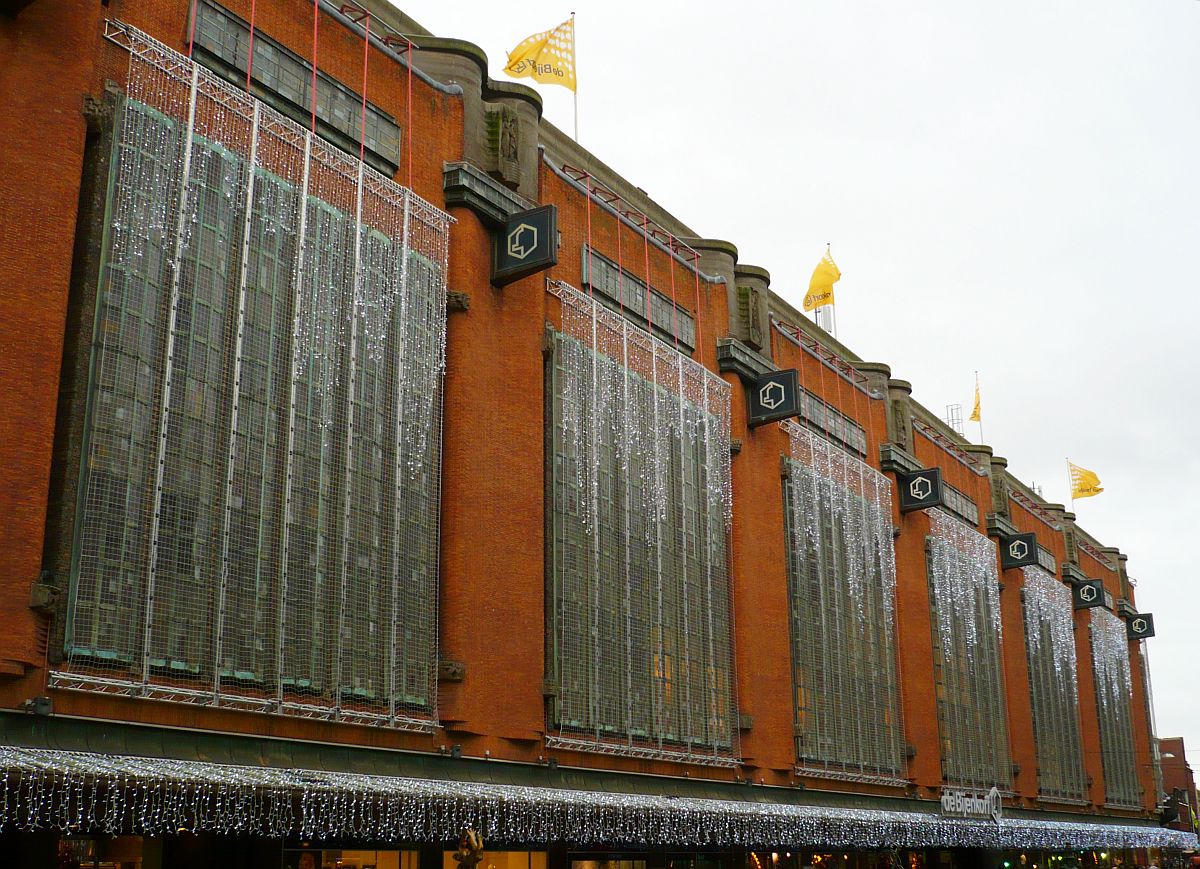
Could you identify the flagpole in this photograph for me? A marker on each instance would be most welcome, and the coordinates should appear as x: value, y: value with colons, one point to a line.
x: 1070, y: 484
x: 980, y: 420
x: 832, y: 300
x: 575, y: 61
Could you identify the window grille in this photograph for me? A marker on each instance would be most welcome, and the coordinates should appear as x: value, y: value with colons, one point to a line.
x: 225, y: 37
x: 258, y: 525
x: 965, y: 598
x: 842, y: 584
x: 1114, y: 695
x: 1053, y: 685
x: 832, y: 423
x: 639, y: 640
x: 960, y: 505
x: 1047, y: 561
x: 625, y: 292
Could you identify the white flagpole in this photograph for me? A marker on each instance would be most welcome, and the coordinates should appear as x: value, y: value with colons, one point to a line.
x: 575, y: 63
x: 978, y: 398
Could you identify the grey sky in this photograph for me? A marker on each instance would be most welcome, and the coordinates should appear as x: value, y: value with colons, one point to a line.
x: 1007, y: 186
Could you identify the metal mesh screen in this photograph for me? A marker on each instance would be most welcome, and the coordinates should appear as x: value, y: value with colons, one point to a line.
x: 640, y: 638
x: 1114, y: 695
x: 842, y: 582
x: 964, y: 582
x: 1053, y: 685
x: 259, y: 524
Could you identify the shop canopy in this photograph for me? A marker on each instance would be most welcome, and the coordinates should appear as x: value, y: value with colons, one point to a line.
x: 83, y: 791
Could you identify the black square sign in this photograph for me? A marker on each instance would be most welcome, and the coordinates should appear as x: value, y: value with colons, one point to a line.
x: 774, y: 395
x: 1020, y: 550
x: 1088, y: 594
x: 525, y: 244
x: 920, y: 489
x: 1140, y: 626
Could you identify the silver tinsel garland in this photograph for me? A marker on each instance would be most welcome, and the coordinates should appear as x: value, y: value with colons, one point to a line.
x: 1111, y: 659
x: 72, y: 791
x: 859, y: 500
x: 962, y: 565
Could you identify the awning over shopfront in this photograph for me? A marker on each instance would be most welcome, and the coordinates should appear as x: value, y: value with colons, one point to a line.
x: 81, y: 791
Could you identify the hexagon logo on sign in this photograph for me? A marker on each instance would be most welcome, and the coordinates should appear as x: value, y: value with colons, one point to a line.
x: 1019, y: 550
x: 522, y: 241
x: 1140, y: 626
x: 919, y: 489
x: 1089, y: 594
x: 773, y: 396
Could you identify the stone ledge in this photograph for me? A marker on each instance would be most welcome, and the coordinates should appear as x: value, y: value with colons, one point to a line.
x: 733, y: 355
x: 1072, y: 574
x: 999, y: 526
x: 471, y: 187
x: 894, y: 458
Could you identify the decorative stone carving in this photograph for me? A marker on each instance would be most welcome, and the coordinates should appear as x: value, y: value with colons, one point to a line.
x: 504, y: 145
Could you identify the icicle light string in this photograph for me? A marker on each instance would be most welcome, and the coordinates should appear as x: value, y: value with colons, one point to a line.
x: 77, y: 792
x: 964, y: 573
x: 1048, y: 603
x: 1111, y: 644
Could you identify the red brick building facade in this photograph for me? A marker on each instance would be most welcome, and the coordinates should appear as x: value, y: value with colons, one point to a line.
x: 967, y: 700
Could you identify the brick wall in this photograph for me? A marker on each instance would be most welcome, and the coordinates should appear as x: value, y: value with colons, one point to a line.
x: 493, y: 539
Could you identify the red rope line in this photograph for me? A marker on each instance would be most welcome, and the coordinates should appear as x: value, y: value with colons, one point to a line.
x: 696, y: 272
x: 649, y: 308
x: 843, y: 422
x: 250, y: 46
x: 858, y: 419
x: 620, y: 270
x: 821, y: 385
x: 192, y: 29
x: 362, y: 142
x: 674, y: 306
x: 316, y: 20
x: 408, y: 111
x: 591, y: 275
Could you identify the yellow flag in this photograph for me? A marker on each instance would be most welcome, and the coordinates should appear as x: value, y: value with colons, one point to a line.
x: 975, y: 417
x: 547, y: 57
x: 820, y: 287
x: 1084, y: 483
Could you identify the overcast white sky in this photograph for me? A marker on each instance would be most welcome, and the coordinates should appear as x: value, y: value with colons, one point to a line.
x: 1008, y: 186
